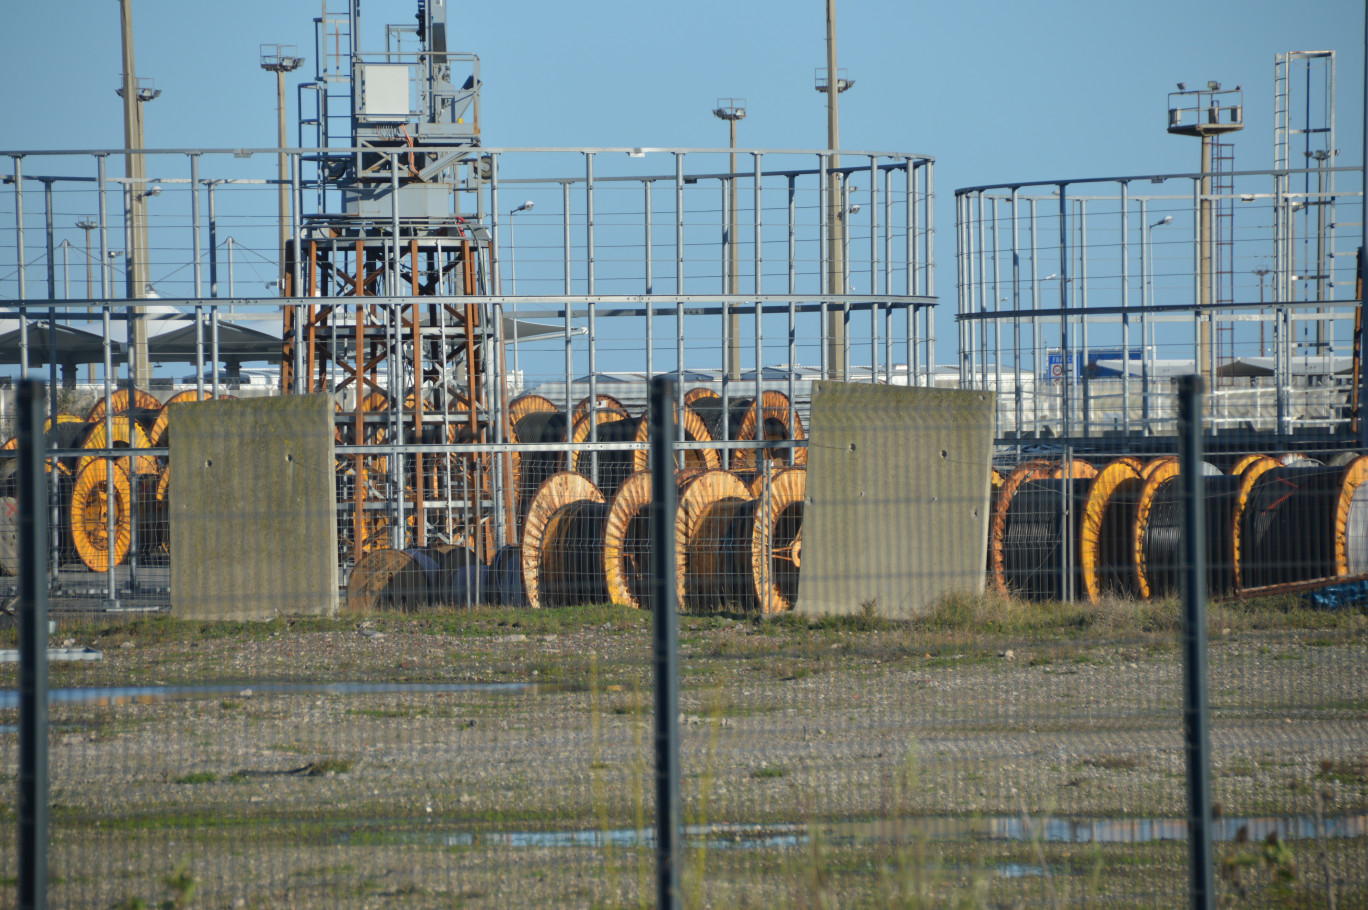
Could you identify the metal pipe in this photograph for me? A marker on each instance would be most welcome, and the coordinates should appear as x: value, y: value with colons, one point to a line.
x: 589, y: 289
x: 928, y: 258
x: 679, y: 278
x: 1195, y: 732
x: 792, y: 289
x: 213, y: 242
x: 1065, y: 354
x: 1125, y: 304
x: 33, y: 638
x: 569, y: 351
x: 19, y: 226
x: 646, y: 186
x: 195, y: 217
x: 757, y: 288
x: 666, y: 641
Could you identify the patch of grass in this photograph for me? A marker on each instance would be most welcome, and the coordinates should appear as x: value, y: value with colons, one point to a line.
x: 1353, y: 770
x: 330, y: 766
x: 198, y: 777
x: 770, y: 772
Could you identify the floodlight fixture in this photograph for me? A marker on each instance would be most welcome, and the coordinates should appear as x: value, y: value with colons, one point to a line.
x: 1214, y: 86
x: 730, y: 109
x: 280, y: 58
x: 821, y: 81
x: 146, y: 91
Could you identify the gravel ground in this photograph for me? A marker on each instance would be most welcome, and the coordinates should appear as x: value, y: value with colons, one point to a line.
x: 832, y: 767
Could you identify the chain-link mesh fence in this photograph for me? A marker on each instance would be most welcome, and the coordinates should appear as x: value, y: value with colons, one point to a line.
x: 459, y: 724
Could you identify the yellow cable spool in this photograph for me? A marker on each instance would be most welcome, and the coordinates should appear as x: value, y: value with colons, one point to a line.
x: 1034, y: 469
x: 69, y: 420
x: 1109, y: 490
x: 627, y: 542
x: 1355, y: 473
x: 777, y: 540
x: 707, y: 505
x: 614, y: 467
x: 1248, y: 476
x: 770, y: 421
x: 143, y: 405
x: 89, y: 512
x: 694, y: 430
x: 605, y: 403
x: 545, y: 575
x: 126, y: 436
x: 163, y: 422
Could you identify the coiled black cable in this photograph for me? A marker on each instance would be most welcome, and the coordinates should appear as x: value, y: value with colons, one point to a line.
x: 1033, y: 540
x: 1161, y: 543
x: 1287, y: 528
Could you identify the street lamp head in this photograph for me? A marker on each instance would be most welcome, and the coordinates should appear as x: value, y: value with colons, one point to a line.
x: 153, y: 190
x: 89, y: 224
x: 1167, y: 219
x: 525, y: 207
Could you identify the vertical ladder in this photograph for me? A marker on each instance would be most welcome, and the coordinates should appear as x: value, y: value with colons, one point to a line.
x: 1223, y: 264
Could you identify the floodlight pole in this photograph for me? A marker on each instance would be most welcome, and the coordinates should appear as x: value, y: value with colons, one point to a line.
x: 135, y: 169
x: 513, y: 284
x: 88, y: 225
x: 279, y: 59
x: 732, y: 110
x: 836, y: 283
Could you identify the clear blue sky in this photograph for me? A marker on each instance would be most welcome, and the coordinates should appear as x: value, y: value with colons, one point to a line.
x: 996, y: 91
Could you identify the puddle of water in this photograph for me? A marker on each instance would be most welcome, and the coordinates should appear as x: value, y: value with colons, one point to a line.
x: 1016, y: 870
x: 855, y: 834
x: 146, y: 695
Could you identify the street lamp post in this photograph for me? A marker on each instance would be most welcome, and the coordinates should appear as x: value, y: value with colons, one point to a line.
x: 88, y: 225
x: 1146, y: 328
x: 732, y: 110
x: 1261, y: 273
x: 281, y: 59
x: 513, y: 285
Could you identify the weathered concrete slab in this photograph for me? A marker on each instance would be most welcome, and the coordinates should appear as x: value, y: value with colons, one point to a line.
x: 253, y: 523
x: 897, y: 497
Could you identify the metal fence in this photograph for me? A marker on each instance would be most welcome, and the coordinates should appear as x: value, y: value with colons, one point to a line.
x: 1081, y: 300
x: 1020, y: 739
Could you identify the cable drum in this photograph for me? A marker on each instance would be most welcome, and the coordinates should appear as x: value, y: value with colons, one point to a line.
x: 1108, y: 523
x: 562, y: 546
x: 1356, y: 537
x: 614, y: 465
x: 531, y: 469
x: 1033, y: 544
x: 1296, y: 524
x: 1161, y: 535
x: 1000, y: 524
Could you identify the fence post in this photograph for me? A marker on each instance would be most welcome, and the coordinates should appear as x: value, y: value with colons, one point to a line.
x: 1195, y: 642
x: 32, y: 609
x: 666, y: 638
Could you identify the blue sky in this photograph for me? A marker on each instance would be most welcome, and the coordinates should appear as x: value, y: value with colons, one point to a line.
x: 995, y: 91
